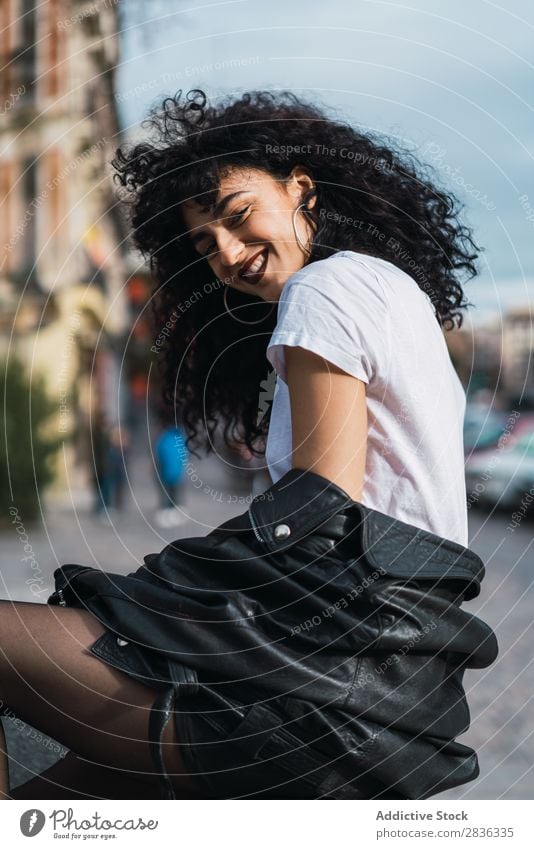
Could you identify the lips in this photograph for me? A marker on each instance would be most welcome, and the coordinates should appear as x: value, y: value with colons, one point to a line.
x: 254, y: 268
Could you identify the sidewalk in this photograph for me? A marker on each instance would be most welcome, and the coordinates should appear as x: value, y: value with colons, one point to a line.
x: 70, y: 533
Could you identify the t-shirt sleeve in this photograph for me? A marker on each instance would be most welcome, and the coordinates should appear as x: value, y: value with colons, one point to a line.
x: 336, y: 308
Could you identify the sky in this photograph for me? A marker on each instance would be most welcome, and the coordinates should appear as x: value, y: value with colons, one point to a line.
x: 452, y: 81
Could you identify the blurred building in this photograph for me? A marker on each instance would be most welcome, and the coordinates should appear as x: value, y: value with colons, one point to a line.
x: 63, y: 257
x: 476, y: 354
x: 518, y: 356
x: 498, y: 357
x: 487, y: 363
x: 461, y: 344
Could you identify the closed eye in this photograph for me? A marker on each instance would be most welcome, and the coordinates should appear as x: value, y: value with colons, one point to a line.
x: 238, y: 216
x: 232, y: 221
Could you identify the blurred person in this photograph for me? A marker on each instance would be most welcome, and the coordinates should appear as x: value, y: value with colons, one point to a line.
x: 247, y: 469
x: 137, y: 398
x: 171, y: 459
x: 118, y: 451
x: 110, y: 445
x: 101, y: 477
x: 251, y: 662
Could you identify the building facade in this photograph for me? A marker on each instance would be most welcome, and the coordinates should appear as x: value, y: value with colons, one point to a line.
x: 518, y: 356
x: 63, y: 253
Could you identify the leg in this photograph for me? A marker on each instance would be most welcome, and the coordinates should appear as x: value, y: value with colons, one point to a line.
x: 167, y: 496
x: 4, y: 772
x: 50, y: 680
x: 102, y: 494
x: 74, y: 778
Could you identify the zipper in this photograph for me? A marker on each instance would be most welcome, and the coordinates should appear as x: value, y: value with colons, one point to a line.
x: 254, y: 528
x: 60, y: 592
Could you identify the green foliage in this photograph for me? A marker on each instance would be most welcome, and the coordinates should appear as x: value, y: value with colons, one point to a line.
x: 26, y: 450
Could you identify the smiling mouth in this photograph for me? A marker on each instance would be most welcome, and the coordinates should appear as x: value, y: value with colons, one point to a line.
x: 255, y: 267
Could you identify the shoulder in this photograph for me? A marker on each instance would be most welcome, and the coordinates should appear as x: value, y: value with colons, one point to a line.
x: 336, y: 307
x: 343, y: 288
x: 343, y: 282
x: 359, y: 284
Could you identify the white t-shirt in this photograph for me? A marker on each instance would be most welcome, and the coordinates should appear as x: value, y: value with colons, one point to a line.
x: 371, y: 319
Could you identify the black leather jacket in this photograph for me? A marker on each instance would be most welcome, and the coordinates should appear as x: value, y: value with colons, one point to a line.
x: 316, y: 597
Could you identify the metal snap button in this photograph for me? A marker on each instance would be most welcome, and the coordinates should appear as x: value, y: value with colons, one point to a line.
x: 282, y: 532
x: 121, y: 642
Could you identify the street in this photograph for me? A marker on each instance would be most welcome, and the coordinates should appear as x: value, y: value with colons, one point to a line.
x: 500, y: 697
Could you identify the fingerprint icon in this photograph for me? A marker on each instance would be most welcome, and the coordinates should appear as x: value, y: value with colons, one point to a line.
x: 31, y: 822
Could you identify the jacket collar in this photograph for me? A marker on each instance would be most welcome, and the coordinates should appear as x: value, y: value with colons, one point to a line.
x: 301, y: 501
x: 292, y: 507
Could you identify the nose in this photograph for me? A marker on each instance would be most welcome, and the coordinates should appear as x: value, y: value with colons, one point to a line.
x: 230, y: 249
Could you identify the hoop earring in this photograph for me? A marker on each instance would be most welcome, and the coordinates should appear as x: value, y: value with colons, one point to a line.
x: 301, y: 244
x: 241, y: 321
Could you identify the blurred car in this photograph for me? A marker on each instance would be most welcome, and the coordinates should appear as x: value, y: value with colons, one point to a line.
x: 482, y: 427
x: 504, y: 475
x: 524, y: 423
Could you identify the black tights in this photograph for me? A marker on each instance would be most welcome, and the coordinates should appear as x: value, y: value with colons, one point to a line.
x: 50, y: 680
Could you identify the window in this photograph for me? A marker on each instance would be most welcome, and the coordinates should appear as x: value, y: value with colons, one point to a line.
x: 6, y: 224
x: 28, y: 183
x: 52, y: 44
x: 6, y: 36
x: 26, y: 66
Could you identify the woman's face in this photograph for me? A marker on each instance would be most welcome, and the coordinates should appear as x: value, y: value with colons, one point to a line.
x: 249, y: 240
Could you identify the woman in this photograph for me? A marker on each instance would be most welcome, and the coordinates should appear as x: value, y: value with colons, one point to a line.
x: 280, y: 237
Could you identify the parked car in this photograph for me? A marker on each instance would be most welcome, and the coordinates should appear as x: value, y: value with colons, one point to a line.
x: 482, y: 427
x: 502, y: 476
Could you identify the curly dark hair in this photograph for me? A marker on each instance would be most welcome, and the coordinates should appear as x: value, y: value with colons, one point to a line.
x: 212, y: 366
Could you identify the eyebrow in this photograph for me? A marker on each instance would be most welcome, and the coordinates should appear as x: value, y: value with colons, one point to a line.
x: 218, y: 211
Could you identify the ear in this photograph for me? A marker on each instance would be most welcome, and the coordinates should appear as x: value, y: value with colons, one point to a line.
x: 299, y: 184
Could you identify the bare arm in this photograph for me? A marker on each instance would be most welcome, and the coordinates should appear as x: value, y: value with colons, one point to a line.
x: 329, y: 420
